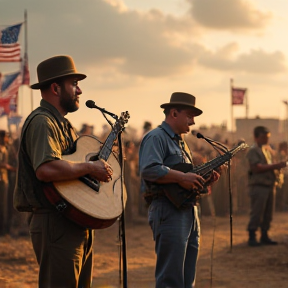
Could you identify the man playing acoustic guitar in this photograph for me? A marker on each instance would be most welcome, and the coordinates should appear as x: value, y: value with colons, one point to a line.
x: 63, y: 249
x: 175, y: 228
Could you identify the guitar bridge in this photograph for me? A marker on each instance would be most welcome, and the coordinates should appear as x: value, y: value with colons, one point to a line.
x: 92, y: 183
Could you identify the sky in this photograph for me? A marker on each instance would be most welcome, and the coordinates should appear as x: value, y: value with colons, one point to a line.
x: 136, y: 53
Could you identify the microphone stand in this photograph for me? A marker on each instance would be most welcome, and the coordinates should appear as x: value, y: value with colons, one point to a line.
x: 224, y: 149
x: 107, y: 112
x: 122, y: 234
x: 230, y: 205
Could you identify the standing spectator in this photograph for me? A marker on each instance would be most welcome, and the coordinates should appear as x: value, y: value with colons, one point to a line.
x: 146, y: 127
x: 261, y: 186
x: 282, y: 180
x: 4, y: 167
x: 12, y: 150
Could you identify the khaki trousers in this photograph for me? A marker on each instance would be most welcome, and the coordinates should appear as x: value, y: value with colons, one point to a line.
x: 63, y: 251
x: 262, y: 204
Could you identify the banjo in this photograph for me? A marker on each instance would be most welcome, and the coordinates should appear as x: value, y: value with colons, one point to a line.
x: 86, y: 201
x: 178, y: 195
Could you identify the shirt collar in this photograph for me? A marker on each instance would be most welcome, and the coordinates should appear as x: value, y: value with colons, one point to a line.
x: 168, y: 129
x: 51, y: 108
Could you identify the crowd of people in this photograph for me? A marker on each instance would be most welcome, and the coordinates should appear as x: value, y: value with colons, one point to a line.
x: 8, y: 166
x: 216, y: 203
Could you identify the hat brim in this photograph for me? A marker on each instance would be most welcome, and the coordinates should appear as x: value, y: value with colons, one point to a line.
x: 41, y: 84
x: 195, y: 110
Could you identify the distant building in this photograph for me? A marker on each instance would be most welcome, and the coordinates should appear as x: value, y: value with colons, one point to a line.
x: 245, y: 127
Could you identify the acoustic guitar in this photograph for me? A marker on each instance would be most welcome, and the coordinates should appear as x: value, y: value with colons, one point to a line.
x: 86, y: 201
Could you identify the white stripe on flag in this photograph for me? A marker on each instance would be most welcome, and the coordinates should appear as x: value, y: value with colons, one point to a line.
x: 10, y: 53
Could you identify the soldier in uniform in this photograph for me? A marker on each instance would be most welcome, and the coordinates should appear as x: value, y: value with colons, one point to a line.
x: 261, y: 181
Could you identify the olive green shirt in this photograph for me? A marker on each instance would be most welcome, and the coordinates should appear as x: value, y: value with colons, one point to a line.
x: 44, y: 140
x: 256, y: 155
x: 46, y: 136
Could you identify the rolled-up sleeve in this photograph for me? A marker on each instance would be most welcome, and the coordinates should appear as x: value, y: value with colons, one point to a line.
x: 151, y: 156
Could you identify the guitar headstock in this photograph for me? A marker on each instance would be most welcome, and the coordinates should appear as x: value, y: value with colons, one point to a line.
x: 239, y: 147
x: 243, y: 146
x: 122, y: 121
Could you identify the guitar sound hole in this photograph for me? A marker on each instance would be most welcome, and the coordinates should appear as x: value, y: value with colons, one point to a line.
x: 94, y: 158
x: 92, y: 183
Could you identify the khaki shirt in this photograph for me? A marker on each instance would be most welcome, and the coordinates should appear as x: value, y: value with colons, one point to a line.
x: 44, y: 140
x: 257, y: 155
x: 46, y: 136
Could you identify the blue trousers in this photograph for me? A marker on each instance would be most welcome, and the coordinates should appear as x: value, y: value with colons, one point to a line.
x: 176, y: 234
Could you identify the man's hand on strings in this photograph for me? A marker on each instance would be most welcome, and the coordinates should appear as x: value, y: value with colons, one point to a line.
x: 214, y: 177
x: 192, y: 181
x: 101, y: 170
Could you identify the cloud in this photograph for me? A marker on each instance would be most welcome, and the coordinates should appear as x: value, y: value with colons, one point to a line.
x: 119, y: 44
x: 102, y: 34
x: 228, y: 14
x: 259, y: 61
x: 255, y: 61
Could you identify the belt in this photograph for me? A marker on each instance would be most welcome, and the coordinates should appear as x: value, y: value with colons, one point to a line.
x: 187, y: 205
x: 154, y: 196
x: 149, y: 197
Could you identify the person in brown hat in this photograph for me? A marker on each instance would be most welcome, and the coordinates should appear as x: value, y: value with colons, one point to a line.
x: 63, y: 249
x: 175, y: 226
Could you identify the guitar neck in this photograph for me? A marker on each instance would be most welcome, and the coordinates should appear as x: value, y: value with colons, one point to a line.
x: 207, y: 167
x: 107, y: 146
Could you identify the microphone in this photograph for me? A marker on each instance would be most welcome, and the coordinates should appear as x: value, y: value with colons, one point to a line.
x: 222, y: 147
x: 91, y: 104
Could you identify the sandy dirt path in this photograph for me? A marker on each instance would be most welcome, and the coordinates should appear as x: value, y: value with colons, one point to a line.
x: 265, y: 266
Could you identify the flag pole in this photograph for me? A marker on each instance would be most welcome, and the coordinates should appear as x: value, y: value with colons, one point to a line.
x: 231, y: 99
x: 25, y: 25
x: 247, y: 104
x: 26, y: 51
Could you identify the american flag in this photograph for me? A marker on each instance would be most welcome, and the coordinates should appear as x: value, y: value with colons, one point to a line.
x: 9, y: 48
x: 238, y: 96
x: 9, y: 90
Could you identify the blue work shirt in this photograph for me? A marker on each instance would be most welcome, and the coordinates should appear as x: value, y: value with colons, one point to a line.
x: 158, y: 152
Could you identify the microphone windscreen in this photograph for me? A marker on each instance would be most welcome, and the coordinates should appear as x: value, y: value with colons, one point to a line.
x: 90, y: 103
x: 194, y: 132
x: 199, y: 135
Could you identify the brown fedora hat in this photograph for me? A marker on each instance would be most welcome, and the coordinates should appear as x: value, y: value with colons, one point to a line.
x: 184, y: 99
x: 56, y: 67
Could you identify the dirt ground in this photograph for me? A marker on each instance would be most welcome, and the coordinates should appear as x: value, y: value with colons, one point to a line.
x: 218, y: 265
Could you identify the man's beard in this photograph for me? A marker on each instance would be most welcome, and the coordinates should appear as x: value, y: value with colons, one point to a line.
x: 67, y: 102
